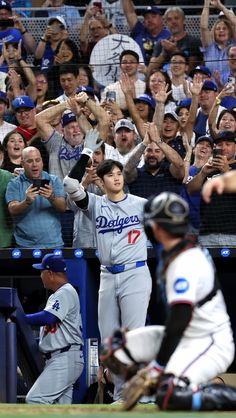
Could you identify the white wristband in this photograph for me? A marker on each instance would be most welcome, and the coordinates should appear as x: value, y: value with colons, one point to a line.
x: 74, y: 188
x: 88, y: 152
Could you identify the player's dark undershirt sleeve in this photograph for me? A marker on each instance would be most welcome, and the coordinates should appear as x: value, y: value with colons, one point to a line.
x: 179, y: 317
x: 78, y: 170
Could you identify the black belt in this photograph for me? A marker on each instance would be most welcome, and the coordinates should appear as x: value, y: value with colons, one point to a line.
x: 49, y: 355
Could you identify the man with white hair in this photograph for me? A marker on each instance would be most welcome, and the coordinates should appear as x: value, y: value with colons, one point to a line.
x: 179, y: 41
x: 64, y: 149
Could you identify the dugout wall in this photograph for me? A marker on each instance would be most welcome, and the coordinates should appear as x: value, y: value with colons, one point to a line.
x: 83, y: 272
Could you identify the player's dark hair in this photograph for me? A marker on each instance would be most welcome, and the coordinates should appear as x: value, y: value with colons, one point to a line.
x: 129, y: 52
x: 107, y: 166
x: 69, y: 69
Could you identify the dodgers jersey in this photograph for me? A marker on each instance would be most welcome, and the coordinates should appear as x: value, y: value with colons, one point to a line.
x: 185, y: 284
x: 64, y: 304
x: 119, y: 229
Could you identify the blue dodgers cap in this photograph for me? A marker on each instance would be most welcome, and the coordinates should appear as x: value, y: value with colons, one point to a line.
x: 86, y: 89
x: 146, y: 99
x: 204, y: 138
x: 183, y: 103
x: 225, y: 136
x: 67, y: 118
x: 23, y: 101
x: 3, y: 97
x: 201, y: 69
x: 152, y: 9
x: 209, y: 85
x: 52, y: 262
x: 5, y: 5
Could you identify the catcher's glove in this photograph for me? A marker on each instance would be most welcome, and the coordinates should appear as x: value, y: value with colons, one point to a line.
x: 111, y: 344
x: 145, y: 382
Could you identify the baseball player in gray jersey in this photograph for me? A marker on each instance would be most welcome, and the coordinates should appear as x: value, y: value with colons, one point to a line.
x: 125, y: 283
x: 60, y: 336
x: 197, y: 342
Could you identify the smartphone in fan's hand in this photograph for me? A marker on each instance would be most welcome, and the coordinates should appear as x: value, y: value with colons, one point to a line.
x: 231, y: 84
x: 217, y: 152
x: 40, y: 183
x: 111, y: 96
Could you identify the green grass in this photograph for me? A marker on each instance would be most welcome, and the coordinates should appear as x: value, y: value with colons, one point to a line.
x: 98, y: 411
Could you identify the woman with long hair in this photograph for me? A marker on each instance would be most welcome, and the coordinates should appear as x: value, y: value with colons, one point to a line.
x: 216, y: 41
x: 13, y: 143
x: 156, y: 81
x: 42, y: 90
x: 66, y: 51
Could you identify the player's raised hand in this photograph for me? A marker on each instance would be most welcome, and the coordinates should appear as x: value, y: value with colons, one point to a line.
x: 91, y: 140
x: 211, y: 186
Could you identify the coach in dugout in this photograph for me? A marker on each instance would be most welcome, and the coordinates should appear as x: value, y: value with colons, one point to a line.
x: 60, y: 338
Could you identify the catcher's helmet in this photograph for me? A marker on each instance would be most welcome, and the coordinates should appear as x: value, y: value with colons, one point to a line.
x: 170, y: 211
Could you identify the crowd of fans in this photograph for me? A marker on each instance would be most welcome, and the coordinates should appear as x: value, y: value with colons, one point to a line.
x: 169, y: 115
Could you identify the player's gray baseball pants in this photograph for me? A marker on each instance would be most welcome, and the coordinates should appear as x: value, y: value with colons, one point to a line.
x: 123, y: 302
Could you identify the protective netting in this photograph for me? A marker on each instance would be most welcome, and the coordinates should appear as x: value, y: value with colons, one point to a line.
x: 108, y: 65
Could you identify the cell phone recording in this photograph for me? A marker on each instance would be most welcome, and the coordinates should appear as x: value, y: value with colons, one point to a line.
x: 6, y: 23
x: 40, y: 183
x: 111, y: 96
x: 231, y: 84
x: 217, y: 152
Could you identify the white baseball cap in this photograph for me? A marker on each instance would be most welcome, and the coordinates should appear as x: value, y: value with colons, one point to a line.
x: 124, y: 123
x: 59, y: 18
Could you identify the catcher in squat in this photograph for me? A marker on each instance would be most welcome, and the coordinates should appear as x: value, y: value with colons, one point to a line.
x: 196, y: 344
